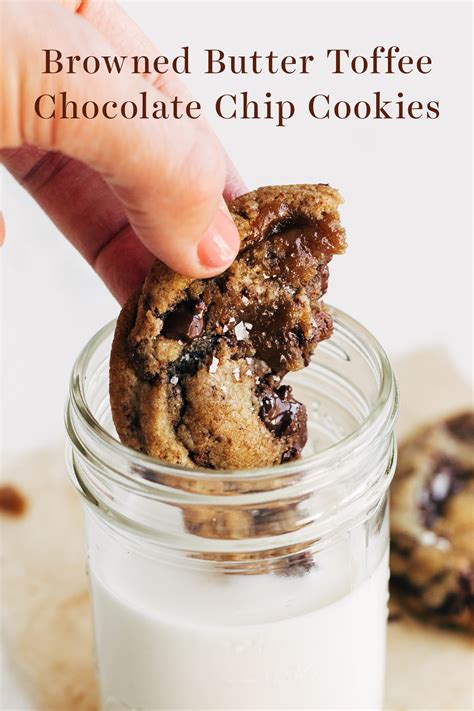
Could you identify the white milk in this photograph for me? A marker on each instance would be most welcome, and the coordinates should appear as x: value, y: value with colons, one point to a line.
x: 281, y: 646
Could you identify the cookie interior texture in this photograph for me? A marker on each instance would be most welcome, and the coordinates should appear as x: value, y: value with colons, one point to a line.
x: 432, y: 522
x: 197, y: 365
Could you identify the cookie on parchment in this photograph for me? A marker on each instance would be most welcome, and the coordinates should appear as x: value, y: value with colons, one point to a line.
x: 432, y: 522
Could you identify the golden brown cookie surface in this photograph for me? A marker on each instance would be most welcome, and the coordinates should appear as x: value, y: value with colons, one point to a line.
x: 196, y: 365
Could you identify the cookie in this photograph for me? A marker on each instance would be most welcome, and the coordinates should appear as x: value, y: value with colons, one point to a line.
x: 196, y: 366
x: 432, y: 522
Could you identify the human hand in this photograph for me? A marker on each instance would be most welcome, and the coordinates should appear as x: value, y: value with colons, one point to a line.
x: 122, y: 191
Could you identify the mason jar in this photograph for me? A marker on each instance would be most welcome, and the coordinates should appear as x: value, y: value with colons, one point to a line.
x: 255, y: 589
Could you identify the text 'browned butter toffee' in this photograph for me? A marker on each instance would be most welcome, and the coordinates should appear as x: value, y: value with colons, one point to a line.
x: 197, y: 365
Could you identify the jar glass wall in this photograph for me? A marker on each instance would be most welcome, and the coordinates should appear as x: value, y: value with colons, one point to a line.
x: 253, y: 589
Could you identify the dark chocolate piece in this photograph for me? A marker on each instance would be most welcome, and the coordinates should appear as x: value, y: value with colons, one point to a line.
x: 462, y: 599
x: 284, y: 416
x: 448, y: 478
x: 279, y: 409
x: 462, y: 427
x: 185, y: 322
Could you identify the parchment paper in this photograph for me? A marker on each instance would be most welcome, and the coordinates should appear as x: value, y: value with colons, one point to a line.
x: 46, y: 618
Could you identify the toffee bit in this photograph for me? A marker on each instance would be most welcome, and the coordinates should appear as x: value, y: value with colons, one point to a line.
x: 185, y: 322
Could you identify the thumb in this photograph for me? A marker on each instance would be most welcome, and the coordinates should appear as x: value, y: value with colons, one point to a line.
x: 169, y: 173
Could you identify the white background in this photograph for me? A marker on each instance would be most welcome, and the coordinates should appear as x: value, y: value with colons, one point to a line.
x: 406, y: 186
x: 407, y: 273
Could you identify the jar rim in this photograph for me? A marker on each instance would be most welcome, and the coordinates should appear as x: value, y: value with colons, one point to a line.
x: 378, y: 420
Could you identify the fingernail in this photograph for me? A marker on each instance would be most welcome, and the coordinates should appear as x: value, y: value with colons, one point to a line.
x: 220, y: 244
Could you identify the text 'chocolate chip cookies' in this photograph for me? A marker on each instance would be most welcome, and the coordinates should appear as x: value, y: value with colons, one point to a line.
x: 196, y: 365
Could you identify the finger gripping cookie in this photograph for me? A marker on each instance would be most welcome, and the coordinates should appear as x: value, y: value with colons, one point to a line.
x: 432, y: 522
x: 196, y: 365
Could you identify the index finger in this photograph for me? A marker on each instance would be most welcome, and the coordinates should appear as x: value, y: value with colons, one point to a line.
x: 127, y: 38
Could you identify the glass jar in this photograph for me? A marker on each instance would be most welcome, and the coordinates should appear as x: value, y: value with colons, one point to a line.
x: 261, y: 589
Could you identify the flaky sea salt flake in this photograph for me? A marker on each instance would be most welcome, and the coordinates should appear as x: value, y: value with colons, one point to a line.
x: 241, y: 332
x: 428, y: 538
x: 214, y: 365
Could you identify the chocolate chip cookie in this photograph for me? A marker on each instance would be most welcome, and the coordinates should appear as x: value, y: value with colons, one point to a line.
x: 432, y: 522
x: 197, y: 365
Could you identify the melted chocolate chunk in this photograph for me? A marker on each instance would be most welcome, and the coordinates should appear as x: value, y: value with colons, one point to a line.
x: 448, y: 478
x: 274, y: 340
x: 297, y: 257
x: 284, y: 416
x: 278, y: 339
x: 279, y: 409
x: 194, y: 358
x: 291, y: 454
x: 463, y: 598
x: 462, y: 426
x: 12, y: 501
x: 305, y: 244
x: 186, y: 322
